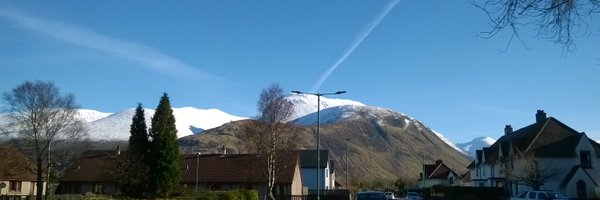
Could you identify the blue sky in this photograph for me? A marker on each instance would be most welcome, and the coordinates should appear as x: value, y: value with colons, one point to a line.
x: 423, y: 58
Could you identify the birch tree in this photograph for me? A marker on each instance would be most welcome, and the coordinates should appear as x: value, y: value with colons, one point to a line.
x: 272, y: 135
x: 42, y: 123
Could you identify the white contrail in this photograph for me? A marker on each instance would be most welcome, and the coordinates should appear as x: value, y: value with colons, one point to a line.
x: 144, y: 55
x: 359, y: 38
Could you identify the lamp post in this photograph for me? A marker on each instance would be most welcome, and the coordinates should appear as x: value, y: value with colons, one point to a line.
x: 197, y: 163
x: 347, y: 139
x: 318, y: 134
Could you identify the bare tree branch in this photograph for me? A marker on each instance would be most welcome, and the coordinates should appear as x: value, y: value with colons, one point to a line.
x: 42, y: 123
x: 556, y: 20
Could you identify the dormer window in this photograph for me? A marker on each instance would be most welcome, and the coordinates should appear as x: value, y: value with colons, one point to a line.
x: 586, y: 159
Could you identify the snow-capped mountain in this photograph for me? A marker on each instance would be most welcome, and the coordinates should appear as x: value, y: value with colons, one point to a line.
x: 476, y: 144
x: 305, y: 104
x: 381, y: 116
x: 188, y: 121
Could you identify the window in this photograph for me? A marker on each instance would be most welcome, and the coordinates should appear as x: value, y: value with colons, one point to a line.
x: 531, y: 195
x: 98, y: 189
x: 586, y: 159
x: 15, y: 186
x: 543, y: 196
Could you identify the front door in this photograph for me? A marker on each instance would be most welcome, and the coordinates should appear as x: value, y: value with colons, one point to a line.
x: 581, y: 190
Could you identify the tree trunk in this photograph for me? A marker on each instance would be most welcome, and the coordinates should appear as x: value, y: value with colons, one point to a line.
x: 40, y: 179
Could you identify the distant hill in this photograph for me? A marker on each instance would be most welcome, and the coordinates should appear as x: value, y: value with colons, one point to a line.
x: 383, y: 143
x: 476, y: 144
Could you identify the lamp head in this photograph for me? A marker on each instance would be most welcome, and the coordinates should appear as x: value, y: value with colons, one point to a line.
x: 296, y: 92
x: 340, y: 92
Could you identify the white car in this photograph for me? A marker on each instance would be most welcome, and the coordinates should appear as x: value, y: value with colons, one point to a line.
x: 390, y: 195
x: 538, y: 195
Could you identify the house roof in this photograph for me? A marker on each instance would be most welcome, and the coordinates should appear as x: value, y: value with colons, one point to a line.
x: 14, y: 165
x: 572, y: 173
x: 308, y: 158
x: 95, y: 165
x: 236, y: 168
x: 547, y: 137
x: 438, y: 171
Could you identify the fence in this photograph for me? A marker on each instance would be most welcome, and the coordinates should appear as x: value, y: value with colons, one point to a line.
x: 323, y: 194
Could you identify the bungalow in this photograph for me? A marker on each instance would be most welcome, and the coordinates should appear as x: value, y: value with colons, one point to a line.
x: 92, y: 172
x: 213, y: 172
x: 546, y: 155
x: 439, y: 174
x: 17, y: 177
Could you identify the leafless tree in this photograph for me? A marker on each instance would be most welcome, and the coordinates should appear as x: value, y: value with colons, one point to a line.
x: 528, y: 171
x: 271, y: 135
x: 557, y: 20
x: 42, y: 123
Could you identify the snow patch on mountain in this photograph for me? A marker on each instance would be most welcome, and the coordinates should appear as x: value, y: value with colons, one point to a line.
x: 382, y: 115
x: 448, y: 141
x: 305, y: 104
x: 478, y: 143
x: 88, y: 115
x: 188, y: 121
x: 349, y: 112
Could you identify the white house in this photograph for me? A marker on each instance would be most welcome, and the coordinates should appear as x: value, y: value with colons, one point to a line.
x: 16, y: 178
x: 568, y: 160
x: 308, y: 166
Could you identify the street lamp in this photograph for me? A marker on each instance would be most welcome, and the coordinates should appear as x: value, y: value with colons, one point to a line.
x: 347, y: 139
x: 197, y: 163
x: 318, y: 134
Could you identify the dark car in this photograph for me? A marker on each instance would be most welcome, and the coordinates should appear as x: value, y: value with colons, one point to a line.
x: 371, y: 195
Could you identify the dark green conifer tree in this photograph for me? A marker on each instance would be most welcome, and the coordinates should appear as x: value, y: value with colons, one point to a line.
x: 134, y: 179
x: 164, y: 169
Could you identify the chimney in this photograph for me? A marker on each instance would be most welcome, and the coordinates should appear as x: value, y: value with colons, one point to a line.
x: 508, y: 129
x: 223, y: 151
x: 540, y: 116
x: 437, y: 162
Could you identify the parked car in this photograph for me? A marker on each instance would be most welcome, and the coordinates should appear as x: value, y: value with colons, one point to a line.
x: 413, y: 196
x: 538, y: 195
x: 371, y: 195
x: 390, y: 195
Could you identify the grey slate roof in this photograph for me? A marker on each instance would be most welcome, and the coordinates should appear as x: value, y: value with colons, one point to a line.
x: 308, y: 158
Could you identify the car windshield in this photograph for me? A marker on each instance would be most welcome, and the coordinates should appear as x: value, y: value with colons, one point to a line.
x: 412, y: 194
x: 370, y: 196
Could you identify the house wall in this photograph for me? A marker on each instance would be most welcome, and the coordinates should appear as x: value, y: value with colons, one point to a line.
x: 309, y: 178
x: 585, y: 145
x: 327, y: 178
x: 571, y: 189
x: 297, y: 182
x: 27, y: 188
